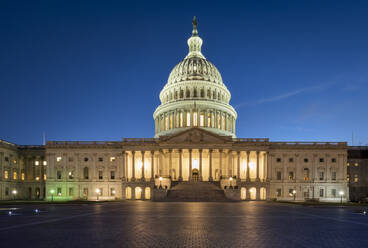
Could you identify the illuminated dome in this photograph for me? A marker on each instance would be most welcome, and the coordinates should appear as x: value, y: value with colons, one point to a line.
x: 195, y: 96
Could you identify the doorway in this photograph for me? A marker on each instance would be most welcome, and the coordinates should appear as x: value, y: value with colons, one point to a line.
x: 195, y: 175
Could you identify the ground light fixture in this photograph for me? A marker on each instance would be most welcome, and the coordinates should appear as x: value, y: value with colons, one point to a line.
x: 98, y: 193
x: 294, y: 194
x: 231, y: 181
x: 14, y: 192
x: 52, y: 194
x: 341, y: 193
x: 160, y: 179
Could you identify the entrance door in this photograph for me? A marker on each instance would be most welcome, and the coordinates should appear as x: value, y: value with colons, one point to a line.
x: 195, y: 175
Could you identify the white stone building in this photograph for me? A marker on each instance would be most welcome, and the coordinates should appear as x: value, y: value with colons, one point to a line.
x: 194, y: 146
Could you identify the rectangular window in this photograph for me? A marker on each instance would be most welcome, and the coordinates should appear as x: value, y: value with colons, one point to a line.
x: 6, y: 174
x: 306, y: 194
x: 278, y: 192
x: 291, y: 192
x: 209, y: 124
x: 291, y: 175
x: 188, y: 119
x: 333, y: 160
x: 71, y: 176
x: 101, y: 191
x: 291, y: 160
x: 306, y: 160
x: 15, y: 175
x: 278, y: 175
x: 333, y: 192
x: 321, y: 192
x: 85, y: 192
x: 321, y: 160
x: 71, y: 191
x: 333, y: 175
x: 100, y: 159
x: 7, y: 191
x: 22, y: 176
x: 100, y: 175
x: 112, y: 192
x: 321, y: 175
x: 58, y: 174
x: 112, y: 175
x: 44, y: 162
x: 195, y: 119
x: 306, y: 174
x: 355, y: 178
x: 181, y: 120
x: 59, y: 191
x: 201, y: 120
x: 70, y: 159
x: 58, y: 159
x: 37, y: 162
x: 6, y: 159
x: 112, y: 159
x: 278, y: 160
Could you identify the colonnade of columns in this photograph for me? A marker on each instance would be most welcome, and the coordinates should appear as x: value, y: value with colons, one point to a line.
x: 195, y: 118
x: 232, y: 168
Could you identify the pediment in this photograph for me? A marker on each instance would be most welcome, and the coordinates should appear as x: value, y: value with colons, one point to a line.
x: 195, y: 135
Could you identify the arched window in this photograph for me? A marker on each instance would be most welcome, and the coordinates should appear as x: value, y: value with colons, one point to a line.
x: 138, y: 193
x: 85, y: 173
x: 209, y: 93
x: 195, y: 92
x: 128, y: 193
x: 262, y: 193
x: 181, y: 93
x: 147, y: 193
x: 214, y: 95
x: 253, y: 193
x: 202, y: 92
x: 176, y: 95
x: 218, y: 96
x: 243, y: 193
x: 187, y: 94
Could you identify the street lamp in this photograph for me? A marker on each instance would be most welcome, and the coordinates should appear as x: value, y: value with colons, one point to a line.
x: 14, y: 192
x: 341, y: 193
x: 98, y: 193
x: 294, y: 194
x: 231, y: 180
x: 160, y: 179
x: 52, y: 194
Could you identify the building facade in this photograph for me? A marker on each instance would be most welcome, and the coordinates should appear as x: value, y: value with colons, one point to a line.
x: 357, y: 176
x: 195, y: 143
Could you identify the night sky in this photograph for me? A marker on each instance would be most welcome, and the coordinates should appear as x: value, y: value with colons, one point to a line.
x: 93, y: 70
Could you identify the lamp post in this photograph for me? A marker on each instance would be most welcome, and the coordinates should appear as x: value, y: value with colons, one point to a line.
x: 97, y: 193
x: 231, y: 182
x: 14, y: 192
x: 52, y: 194
x: 160, y: 179
x: 294, y: 194
x: 341, y: 193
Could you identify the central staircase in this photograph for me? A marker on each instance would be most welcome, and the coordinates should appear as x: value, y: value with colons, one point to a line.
x: 196, y: 192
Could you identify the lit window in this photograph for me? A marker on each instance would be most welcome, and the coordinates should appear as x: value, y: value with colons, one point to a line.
x: 6, y: 174
x: 112, y: 192
x: 22, y: 176
x: 45, y: 162
x: 355, y: 178
x: 195, y: 122
x: 347, y: 164
x: 291, y: 175
x: 188, y: 119
x: 201, y: 120
x: 356, y: 164
x: 15, y: 175
x: 348, y: 178
x: 209, y: 124
x: 44, y: 177
x: 71, y: 176
x: 306, y: 174
x: 112, y: 159
x: 37, y: 178
x: 58, y: 159
x: 14, y: 161
x: 37, y: 162
x: 59, y: 191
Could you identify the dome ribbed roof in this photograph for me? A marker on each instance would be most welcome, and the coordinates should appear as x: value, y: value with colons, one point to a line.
x: 195, y: 68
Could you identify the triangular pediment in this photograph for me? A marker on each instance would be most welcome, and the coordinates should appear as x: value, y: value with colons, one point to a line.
x: 195, y: 135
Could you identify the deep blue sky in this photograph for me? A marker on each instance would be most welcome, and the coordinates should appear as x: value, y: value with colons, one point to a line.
x: 93, y: 70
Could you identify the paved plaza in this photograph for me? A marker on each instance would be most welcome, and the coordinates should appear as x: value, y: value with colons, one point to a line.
x: 151, y: 224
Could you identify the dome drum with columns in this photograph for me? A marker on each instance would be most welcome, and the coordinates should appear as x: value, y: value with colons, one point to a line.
x: 195, y: 96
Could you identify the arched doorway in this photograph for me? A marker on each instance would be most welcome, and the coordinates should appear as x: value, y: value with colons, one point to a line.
x: 195, y: 175
x: 243, y: 193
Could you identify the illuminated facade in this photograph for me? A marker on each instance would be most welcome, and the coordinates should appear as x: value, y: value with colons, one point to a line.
x: 194, y: 145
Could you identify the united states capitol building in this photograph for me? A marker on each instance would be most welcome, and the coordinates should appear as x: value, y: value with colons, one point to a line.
x: 194, y: 155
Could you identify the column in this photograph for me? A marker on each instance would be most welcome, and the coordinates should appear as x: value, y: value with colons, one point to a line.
x: 220, y: 172
x: 180, y: 165
x: 133, y: 166
x: 174, y: 119
x: 238, y: 164
x: 216, y: 117
x: 152, y: 165
x: 200, y: 165
x: 184, y: 118
x: 210, y: 166
x: 198, y: 117
x: 248, y: 160
x: 257, y: 165
x: 191, y: 118
x: 123, y: 165
x: 160, y: 163
x: 264, y: 165
x: 190, y: 164
x: 142, y: 175
x: 206, y: 118
x: 170, y: 163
